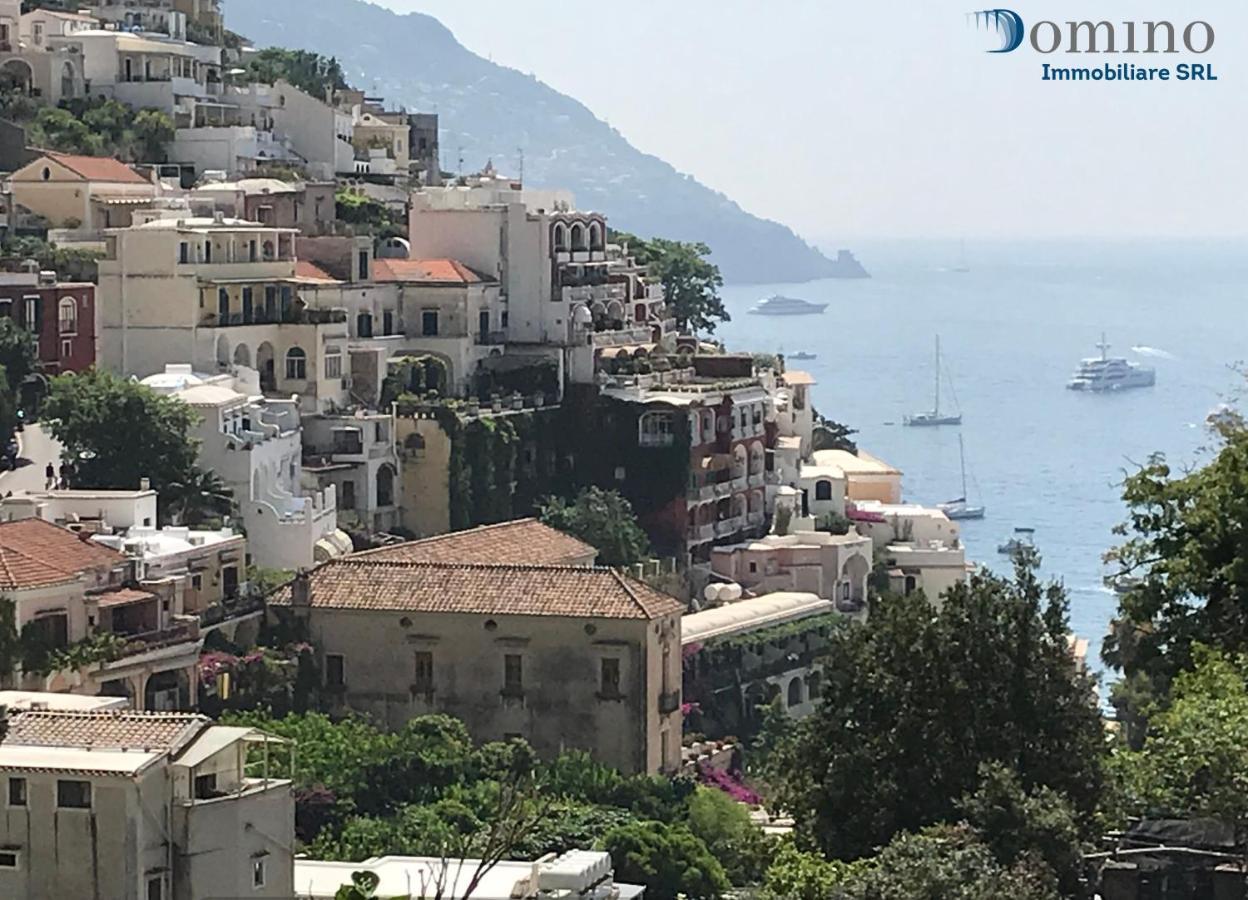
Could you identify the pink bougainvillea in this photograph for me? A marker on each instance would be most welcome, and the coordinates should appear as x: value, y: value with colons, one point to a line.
x: 730, y: 783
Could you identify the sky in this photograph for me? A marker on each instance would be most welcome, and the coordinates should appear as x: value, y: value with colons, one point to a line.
x: 890, y: 120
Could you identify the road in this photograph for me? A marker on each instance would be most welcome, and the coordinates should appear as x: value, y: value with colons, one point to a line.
x: 37, y: 450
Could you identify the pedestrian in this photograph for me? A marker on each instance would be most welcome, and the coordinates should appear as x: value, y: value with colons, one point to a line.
x: 50, y: 475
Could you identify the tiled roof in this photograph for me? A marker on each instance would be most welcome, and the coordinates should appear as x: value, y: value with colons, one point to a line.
x: 426, y: 271
x: 581, y: 592
x: 123, y: 597
x: 35, y: 553
x: 99, y: 168
x: 524, y: 542
x: 104, y: 730
x: 306, y: 269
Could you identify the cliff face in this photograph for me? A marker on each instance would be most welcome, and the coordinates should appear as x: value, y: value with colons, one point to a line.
x: 488, y: 111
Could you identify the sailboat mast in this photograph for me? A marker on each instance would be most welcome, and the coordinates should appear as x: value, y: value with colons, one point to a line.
x: 962, y: 457
x: 936, y: 408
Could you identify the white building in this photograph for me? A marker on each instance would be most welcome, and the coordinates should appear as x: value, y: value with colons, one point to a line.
x: 320, y: 133
x: 575, y: 875
x: 355, y: 455
x: 921, y: 546
x: 832, y: 566
x: 122, y: 805
x: 255, y: 446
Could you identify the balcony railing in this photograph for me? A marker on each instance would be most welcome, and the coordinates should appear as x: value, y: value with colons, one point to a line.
x: 285, y: 317
x: 656, y: 440
x: 726, y: 527
x: 704, y: 494
x: 701, y: 534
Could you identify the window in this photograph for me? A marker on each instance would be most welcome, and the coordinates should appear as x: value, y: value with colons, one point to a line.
x: 17, y: 792
x: 197, y: 582
x: 335, y: 670
x: 513, y: 674
x: 387, y: 322
x: 610, y: 686
x: 73, y: 795
x: 348, y: 495
x: 296, y: 364
x: 364, y: 266
x: 823, y: 490
x: 155, y: 888
x: 270, y: 302
x: 8, y: 859
x: 795, y: 692
x: 67, y: 349
x: 253, y: 251
x: 364, y: 325
x: 429, y: 323
x: 207, y: 251
x: 333, y: 366
x: 184, y: 252
x: 32, y: 313
x: 656, y: 430
x: 483, y: 322
x: 424, y: 671
x: 205, y: 786
x: 258, y: 872
x: 753, y: 567
x: 223, y: 305
x: 248, y: 305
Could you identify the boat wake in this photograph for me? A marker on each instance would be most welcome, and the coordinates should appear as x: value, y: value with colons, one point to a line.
x: 1153, y: 351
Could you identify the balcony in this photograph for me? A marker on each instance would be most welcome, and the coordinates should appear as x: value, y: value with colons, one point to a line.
x: 669, y: 702
x: 491, y: 338
x: 727, y: 527
x: 723, y: 489
x: 704, y: 494
x: 757, y: 479
x: 701, y: 534
x: 282, y: 317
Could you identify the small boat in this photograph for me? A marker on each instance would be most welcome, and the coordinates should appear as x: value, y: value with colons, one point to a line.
x: 1023, y: 540
x: 1110, y: 373
x: 787, y: 306
x: 1122, y: 583
x: 934, y: 416
x: 960, y: 508
x: 803, y: 355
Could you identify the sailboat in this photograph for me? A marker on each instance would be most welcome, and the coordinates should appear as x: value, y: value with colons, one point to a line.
x: 962, y: 267
x: 960, y: 508
x: 934, y: 417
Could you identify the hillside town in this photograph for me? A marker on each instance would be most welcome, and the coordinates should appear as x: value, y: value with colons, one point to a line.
x: 319, y: 443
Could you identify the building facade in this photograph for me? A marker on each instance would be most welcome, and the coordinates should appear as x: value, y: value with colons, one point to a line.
x: 61, y: 315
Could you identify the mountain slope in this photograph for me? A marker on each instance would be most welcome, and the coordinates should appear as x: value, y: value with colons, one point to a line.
x: 490, y: 111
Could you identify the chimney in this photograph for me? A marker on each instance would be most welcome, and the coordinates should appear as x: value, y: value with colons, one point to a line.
x: 301, y: 590
x: 145, y: 484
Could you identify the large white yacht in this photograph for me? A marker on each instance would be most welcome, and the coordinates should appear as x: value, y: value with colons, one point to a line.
x: 787, y: 306
x: 1110, y: 373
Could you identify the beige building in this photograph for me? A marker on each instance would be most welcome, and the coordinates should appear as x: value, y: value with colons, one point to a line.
x: 564, y: 657
x: 921, y: 546
x: 831, y: 566
x: 27, y: 61
x: 81, y: 192
x: 69, y: 592
x: 219, y: 293
x: 123, y: 805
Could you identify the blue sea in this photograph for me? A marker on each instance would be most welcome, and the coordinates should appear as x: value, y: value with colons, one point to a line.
x: 1012, y: 331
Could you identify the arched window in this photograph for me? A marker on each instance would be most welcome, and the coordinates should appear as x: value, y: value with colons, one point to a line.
x: 578, y: 237
x: 912, y: 584
x: 655, y: 430
x: 296, y: 364
x: 795, y: 692
x: 385, y: 486
x: 67, y: 315
x: 823, y: 490
x: 595, y: 236
x: 561, y: 237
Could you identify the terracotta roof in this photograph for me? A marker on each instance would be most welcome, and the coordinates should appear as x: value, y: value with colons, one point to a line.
x: 524, y: 542
x: 35, y: 553
x: 123, y: 597
x: 104, y: 730
x: 796, y: 377
x: 306, y: 269
x: 426, y: 271
x: 581, y: 592
x: 99, y: 168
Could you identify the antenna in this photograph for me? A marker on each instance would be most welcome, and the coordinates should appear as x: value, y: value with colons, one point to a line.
x: 461, y: 161
x: 520, y: 150
x: 1104, y: 346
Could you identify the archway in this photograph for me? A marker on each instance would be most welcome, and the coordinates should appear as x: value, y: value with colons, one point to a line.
x: 166, y: 692
x: 242, y: 355
x: 795, y: 696
x: 578, y: 237
x: 385, y: 485
x: 69, y: 81
x: 595, y: 236
x: 739, y: 462
x: 264, y: 363
x: 855, y: 573
x: 16, y: 76
x: 223, y: 351
x: 560, y: 238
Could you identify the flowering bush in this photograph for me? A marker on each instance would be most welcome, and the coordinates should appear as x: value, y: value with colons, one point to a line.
x: 730, y: 783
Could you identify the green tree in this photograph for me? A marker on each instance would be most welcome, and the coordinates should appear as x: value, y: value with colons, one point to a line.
x: 310, y: 72
x: 59, y: 129
x: 669, y: 860
x: 725, y: 827
x: 884, y: 753
x: 110, y: 120
x: 118, y: 431
x: 602, y: 519
x: 691, y: 282
x: 19, y: 352
x: 943, y: 863
x: 199, y: 496
x: 153, y: 132
x: 1186, y: 546
x: 1025, y: 828
x: 795, y: 875
x: 1194, y: 761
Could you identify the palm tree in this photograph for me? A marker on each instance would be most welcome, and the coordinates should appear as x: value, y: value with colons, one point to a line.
x: 199, y: 496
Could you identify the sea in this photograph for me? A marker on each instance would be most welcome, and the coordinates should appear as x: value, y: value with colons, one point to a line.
x: 1012, y: 330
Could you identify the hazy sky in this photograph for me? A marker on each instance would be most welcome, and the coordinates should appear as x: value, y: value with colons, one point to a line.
x: 887, y: 119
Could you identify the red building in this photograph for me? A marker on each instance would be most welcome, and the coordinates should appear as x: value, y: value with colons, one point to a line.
x: 60, y: 314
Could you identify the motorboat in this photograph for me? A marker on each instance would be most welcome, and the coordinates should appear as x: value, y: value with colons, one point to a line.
x: 787, y: 306
x: 1104, y: 373
x: 934, y: 416
x: 1023, y: 539
x: 803, y: 355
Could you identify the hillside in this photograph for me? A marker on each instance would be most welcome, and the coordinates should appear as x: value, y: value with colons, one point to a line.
x: 491, y: 111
